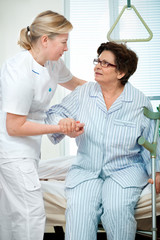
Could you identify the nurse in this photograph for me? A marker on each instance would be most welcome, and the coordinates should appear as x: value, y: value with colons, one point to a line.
x: 28, y: 83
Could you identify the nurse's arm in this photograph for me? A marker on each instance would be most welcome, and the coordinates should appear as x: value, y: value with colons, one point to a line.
x: 73, y: 83
x: 17, y: 125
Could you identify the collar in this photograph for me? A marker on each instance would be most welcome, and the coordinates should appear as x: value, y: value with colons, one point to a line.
x: 126, y: 95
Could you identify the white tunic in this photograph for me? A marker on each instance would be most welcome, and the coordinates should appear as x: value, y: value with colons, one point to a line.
x: 27, y: 89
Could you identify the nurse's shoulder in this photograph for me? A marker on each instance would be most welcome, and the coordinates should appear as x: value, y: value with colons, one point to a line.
x: 18, y: 61
x: 17, y: 67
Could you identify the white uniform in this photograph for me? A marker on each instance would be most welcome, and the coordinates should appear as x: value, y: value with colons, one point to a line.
x: 27, y: 89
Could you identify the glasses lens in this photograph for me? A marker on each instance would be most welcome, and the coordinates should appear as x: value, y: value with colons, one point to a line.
x: 104, y: 64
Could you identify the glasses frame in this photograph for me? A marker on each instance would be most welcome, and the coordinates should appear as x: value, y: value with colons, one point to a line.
x: 103, y: 63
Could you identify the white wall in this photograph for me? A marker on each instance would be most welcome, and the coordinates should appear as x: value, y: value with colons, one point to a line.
x: 15, y: 15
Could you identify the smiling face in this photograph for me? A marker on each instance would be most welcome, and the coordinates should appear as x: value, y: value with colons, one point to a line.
x: 49, y: 49
x: 57, y: 46
x: 107, y: 75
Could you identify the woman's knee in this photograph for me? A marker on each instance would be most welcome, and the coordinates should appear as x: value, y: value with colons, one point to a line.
x: 119, y: 216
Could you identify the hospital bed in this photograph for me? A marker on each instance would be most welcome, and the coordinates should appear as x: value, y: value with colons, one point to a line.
x: 52, y: 174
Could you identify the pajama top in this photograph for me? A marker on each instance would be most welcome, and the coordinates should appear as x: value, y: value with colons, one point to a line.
x: 109, y: 145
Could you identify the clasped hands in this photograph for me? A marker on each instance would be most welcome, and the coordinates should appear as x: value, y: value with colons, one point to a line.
x: 70, y: 127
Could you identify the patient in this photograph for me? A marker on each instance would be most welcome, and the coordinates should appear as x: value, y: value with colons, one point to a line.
x: 111, y: 169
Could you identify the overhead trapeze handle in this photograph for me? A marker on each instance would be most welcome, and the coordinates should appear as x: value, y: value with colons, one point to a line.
x: 129, y: 6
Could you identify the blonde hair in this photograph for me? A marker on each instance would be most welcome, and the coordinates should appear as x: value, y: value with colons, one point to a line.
x: 46, y: 23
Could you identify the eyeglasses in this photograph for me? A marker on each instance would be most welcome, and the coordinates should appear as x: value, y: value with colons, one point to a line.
x: 103, y: 63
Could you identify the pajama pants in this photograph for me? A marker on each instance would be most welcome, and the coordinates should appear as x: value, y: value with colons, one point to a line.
x: 105, y: 200
x: 22, y: 214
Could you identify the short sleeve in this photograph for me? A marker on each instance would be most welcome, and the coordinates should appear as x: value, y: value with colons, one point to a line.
x: 17, y: 89
x: 64, y: 73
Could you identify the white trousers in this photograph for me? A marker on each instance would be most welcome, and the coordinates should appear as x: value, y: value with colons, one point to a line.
x: 98, y: 199
x: 22, y: 214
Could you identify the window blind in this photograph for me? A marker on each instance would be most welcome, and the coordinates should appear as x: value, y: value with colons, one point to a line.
x: 90, y: 19
x: 147, y: 76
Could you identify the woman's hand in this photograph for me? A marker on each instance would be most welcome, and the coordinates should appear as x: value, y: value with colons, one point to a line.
x: 71, y: 127
x: 157, y: 182
x: 67, y: 125
x: 79, y: 130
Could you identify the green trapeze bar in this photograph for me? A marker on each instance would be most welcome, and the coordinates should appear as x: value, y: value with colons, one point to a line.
x: 130, y: 40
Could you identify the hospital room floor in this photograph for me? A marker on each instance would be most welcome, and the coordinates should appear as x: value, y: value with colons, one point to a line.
x: 49, y: 236
x: 59, y: 235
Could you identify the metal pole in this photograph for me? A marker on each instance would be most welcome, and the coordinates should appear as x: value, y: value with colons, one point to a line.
x: 154, y: 224
x: 128, y: 3
x: 153, y: 159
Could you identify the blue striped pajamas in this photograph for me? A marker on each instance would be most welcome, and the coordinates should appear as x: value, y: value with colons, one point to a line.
x: 95, y: 200
x: 108, y: 151
x: 83, y: 210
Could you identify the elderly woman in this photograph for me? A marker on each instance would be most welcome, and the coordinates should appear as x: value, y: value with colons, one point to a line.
x: 110, y: 169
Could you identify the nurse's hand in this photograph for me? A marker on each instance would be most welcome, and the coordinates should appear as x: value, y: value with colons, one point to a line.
x: 157, y: 182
